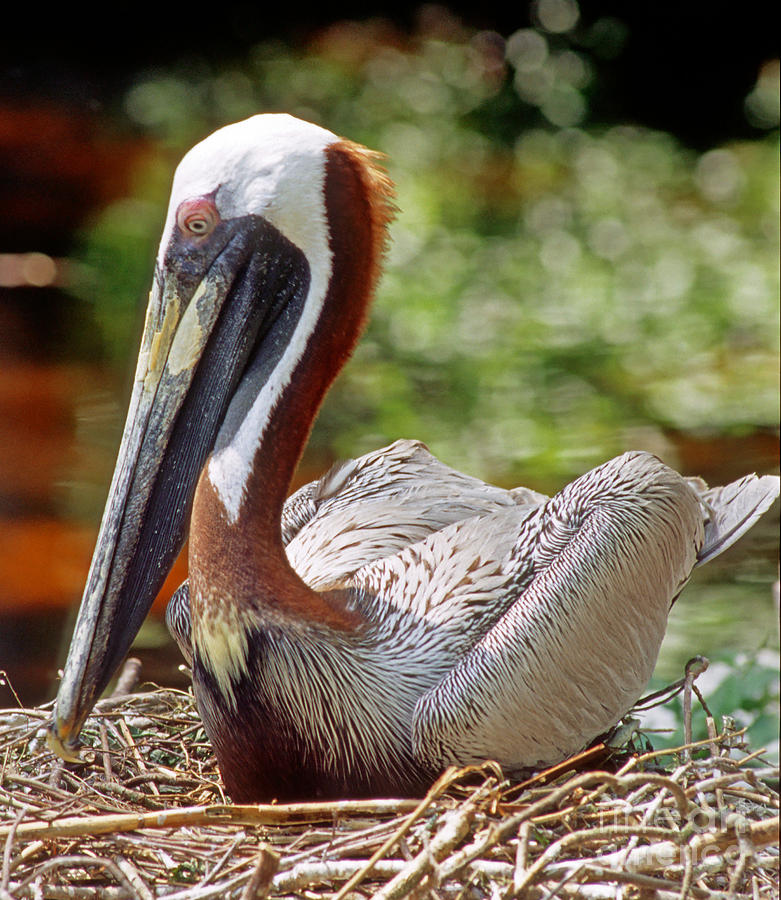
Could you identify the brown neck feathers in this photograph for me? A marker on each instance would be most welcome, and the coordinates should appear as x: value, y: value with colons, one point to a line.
x: 246, y: 559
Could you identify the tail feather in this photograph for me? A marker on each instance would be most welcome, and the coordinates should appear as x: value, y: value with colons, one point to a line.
x: 733, y: 509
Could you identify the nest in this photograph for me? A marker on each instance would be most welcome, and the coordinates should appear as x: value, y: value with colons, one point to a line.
x: 145, y: 816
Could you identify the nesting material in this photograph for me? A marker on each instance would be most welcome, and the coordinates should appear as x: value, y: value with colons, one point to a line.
x: 145, y: 816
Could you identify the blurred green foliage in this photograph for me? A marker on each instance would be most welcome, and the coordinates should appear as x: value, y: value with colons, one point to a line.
x: 555, y: 290
x: 741, y: 686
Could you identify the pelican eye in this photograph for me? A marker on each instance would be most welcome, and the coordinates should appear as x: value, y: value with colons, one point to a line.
x: 197, y: 218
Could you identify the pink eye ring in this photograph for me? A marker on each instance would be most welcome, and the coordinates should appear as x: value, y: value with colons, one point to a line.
x: 198, y: 217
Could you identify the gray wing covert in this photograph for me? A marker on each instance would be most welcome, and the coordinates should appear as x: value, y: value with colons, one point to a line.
x: 375, y: 506
x: 601, y: 562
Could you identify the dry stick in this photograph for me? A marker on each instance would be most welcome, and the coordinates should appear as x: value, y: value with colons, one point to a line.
x: 688, y: 871
x: 305, y: 874
x: 657, y: 857
x: 9, y: 842
x: 349, y: 843
x: 635, y: 761
x: 122, y: 724
x: 128, y: 677
x: 607, y: 832
x: 132, y: 874
x: 627, y: 781
x: 232, y: 847
x: 259, y: 884
x: 711, y: 726
x: 605, y: 892
x: 35, y: 804
x: 222, y: 889
x: 746, y: 759
x: 125, y: 793
x: 468, y: 855
x: 746, y: 853
x: 760, y: 799
x: 593, y: 873
x: 26, y: 852
x: 500, y: 831
x: 521, y: 853
x: 47, y: 790
x: 568, y: 876
x: 651, y: 857
x: 694, y: 668
x: 718, y: 781
x: 654, y: 806
x: 262, y: 814
x: 79, y: 861
x: 56, y: 773
x: 439, y: 786
x: 105, y: 752
x: 455, y: 826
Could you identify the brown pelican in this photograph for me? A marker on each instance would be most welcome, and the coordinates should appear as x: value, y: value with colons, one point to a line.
x: 395, y: 616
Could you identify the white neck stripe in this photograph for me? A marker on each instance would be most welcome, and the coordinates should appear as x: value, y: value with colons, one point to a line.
x: 229, y: 469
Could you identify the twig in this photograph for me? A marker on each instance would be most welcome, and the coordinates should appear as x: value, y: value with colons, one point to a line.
x: 328, y: 871
x: 265, y: 869
x: 694, y: 668
x: 455, y: 826
x: 282, y: 814
x: 651, y: 857
x: 580, y: 836
x: 746, y: 846
x: 76, y: 861
x: 9, y: 842
x: 122, y: 725
x: 228, y: 852
x: 105, y: 752
x: 688, y: 871
x: 661, y: 886
x: 437, y: 789
x: 130, y: 872
x: 128, y: 677
x: 521, y: 855
x: 577, y: 838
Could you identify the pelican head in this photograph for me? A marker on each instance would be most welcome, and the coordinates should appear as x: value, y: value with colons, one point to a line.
x: 248, y: 259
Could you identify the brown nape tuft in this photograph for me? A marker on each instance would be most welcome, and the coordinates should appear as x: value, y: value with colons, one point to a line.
x: 380, y: 193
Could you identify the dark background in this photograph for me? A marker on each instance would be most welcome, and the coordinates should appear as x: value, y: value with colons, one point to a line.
x: 685, y: 67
